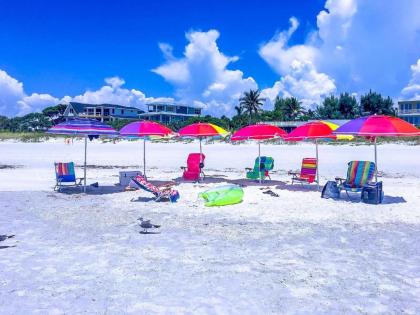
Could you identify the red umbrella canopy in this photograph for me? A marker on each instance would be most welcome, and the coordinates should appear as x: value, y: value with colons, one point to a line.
x: 311, y: 130
x: 258, y: 132
x: 145, y: 128
x: 378, y: 126
x: 202, y: 130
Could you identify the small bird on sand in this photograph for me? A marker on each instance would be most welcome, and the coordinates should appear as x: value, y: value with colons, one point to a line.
x: 5, y: 237
x: 145, y: 225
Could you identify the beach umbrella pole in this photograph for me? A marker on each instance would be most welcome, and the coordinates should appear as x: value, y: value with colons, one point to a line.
x: 376, y: 161
x: 200, y: 156
x: 259, y: 159
x: 144, y: 157
x: 84, y: 187
x: 317, y: 162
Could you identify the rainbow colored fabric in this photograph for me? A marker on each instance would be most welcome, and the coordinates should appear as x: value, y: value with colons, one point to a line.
x: 64, y: 172
x: 378, y: 126
x: 79, y: 126
x: 171, y: 194
x: 359, y: 173
x: 308, y: 169
x: 202, y: 130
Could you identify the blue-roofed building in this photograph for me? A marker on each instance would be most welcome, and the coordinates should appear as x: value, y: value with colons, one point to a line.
x: 409, y: 111
x: 170, y: 112
x: 102, y: 112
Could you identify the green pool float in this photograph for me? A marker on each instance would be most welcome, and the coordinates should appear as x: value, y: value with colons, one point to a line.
x: 223, y: 195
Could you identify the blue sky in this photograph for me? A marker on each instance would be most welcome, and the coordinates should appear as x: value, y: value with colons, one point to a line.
x: 50, y: 50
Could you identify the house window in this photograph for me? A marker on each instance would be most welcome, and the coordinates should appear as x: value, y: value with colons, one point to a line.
x: 122, y: 111
x: 90, y: 111
x: 197, y: 111
x: 71, y: 111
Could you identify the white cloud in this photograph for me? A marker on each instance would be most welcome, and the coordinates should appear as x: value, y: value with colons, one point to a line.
x: 113, y: 93
x: 357, y: 46
x: 35, y: 103
x: 296, y: 65
x: 201, y: 75
x: 280, y: 57
x: 304, y: 83
x: 412, y: 90
x: 15, y: 102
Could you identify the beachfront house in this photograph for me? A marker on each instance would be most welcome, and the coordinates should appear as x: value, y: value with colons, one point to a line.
x: 409, y: 111
x: 169, y: 112
x: 102, y: 112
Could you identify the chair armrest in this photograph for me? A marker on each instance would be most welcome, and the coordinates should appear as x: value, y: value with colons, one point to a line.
x: 80, y: 179
x: 340, y: 179
x: 248, y: 168
x: 294, y: 173
x: 183, y: 168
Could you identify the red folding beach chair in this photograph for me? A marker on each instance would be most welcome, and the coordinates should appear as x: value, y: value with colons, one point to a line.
x: 194, y: 168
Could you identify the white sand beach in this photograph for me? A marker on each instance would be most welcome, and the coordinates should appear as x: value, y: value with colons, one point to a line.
x: 293, y: 254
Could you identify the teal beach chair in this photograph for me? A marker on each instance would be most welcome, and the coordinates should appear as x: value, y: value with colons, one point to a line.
x: 65, y: 176
x: 261, y: 168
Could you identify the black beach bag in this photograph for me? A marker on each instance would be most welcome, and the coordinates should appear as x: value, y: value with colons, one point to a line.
x: 330, y: 190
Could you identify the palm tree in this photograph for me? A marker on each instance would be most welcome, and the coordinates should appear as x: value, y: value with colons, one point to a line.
x: 251, y: 103
x: 239, y: 109
x: 292, y: 108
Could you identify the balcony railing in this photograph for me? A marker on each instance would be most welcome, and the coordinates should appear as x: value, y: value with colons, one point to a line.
x: 408, y: 111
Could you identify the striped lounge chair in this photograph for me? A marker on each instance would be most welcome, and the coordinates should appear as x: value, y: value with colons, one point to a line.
x: 307, y: 172
x: 359, y: 174
x: 161, y: 193
x: 261, y: 168
x: 65, y: 176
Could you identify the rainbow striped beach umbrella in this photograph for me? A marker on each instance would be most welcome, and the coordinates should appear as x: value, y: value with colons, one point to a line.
x: 86, y: 128
x: 378, y: 126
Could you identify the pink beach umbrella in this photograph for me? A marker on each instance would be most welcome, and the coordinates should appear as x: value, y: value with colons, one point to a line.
x: 259, y: 133
x: 143, y: 129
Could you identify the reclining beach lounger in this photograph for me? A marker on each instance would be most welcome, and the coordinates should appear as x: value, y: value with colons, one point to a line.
x: 161, y: 193
x: 359, y: 174
x: 194, y: 169
x: 307, y: 172
x: 261, y: 168
x: 65, y: 176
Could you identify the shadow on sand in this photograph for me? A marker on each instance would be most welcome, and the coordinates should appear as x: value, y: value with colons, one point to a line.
x: 91, y: 190
x: 243, y: 182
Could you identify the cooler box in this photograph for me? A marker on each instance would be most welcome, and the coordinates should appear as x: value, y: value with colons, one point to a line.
x: 125, y: 176
x: 372, y: 193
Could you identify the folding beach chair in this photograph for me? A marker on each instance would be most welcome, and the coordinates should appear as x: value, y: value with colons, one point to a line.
x: 161, y: 193
x: 307, y: 172
x: 359, y: 174
x: 262, y: 166
x: 194, y: 168
x: 65, y: 176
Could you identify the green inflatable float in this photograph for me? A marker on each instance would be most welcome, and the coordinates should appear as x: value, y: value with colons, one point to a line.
x: 222, y: 195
